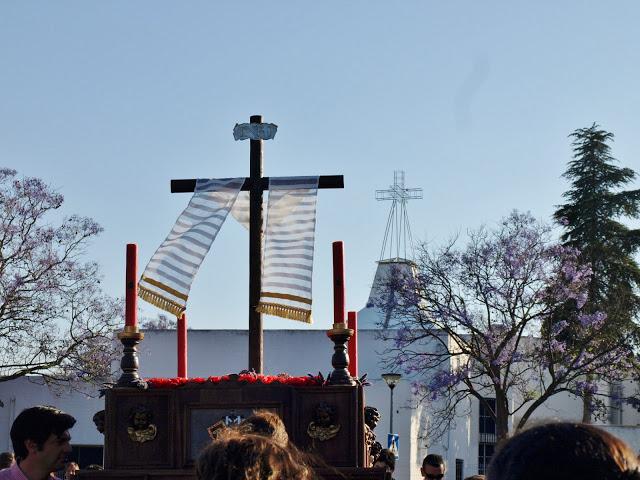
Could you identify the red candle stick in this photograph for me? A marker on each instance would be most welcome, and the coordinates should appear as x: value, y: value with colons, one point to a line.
x: 339, y: 311
x: 131, y: 288
x: 353, y: 344
x: 182, y: 346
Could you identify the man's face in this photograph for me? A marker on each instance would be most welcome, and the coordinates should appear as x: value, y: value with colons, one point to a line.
x: 53, y: 453
x: 432, y: 473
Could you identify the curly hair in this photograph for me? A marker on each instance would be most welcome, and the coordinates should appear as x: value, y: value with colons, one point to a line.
x: 268, y: 424
x: 237, y: 456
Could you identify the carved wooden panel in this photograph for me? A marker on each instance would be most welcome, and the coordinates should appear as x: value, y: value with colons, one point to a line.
x: 180, y: 417
x: 123, y: 451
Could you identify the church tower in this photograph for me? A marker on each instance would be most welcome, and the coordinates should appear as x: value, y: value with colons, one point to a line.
x: 396, y: 253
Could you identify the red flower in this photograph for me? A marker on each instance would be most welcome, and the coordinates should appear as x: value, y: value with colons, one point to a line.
x: 282, y: 379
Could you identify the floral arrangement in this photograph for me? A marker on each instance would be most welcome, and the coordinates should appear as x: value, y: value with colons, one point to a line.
x: 243, y: 377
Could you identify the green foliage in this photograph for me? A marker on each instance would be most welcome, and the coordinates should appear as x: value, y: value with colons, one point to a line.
x: 593, y: 224
x: 592, y: 218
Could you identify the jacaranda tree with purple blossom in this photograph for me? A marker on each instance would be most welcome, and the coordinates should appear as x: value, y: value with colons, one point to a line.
x: 473, y: 322
x: 55, y: 320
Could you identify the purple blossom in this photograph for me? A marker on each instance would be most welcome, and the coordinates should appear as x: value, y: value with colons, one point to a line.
x: 584, y: 387
x: 594, y: 320
x: 445, y: 379
x: 556, y: 346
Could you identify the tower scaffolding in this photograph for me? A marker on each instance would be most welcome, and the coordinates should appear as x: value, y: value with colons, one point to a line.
x: 398, y: 230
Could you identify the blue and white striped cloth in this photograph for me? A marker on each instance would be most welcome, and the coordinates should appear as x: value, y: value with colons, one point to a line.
x: 287, y: 264
x: 167, y: 279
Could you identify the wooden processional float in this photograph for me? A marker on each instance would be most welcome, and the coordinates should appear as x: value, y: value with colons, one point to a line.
x: 155, y: 428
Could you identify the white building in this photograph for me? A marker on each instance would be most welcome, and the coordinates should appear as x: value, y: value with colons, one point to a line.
x: 298, y: 352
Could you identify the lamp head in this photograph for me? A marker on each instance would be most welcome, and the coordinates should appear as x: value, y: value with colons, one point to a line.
x: 391, y: 378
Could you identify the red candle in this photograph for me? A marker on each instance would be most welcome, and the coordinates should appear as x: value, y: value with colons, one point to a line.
x: 339, y: 311
x: 131, y: 287
x: 182, y: 346
x: 353, y: 344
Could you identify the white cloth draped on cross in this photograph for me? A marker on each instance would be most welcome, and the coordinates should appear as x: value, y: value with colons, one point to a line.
x: 288, y: 253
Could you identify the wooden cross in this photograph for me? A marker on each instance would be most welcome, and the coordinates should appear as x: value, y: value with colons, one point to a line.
x: 256, y: 184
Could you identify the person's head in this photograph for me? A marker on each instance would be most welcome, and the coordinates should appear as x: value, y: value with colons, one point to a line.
x: 386, y: 459
x: 564, y: 451
x: 268, y: 424
x: 433, y: 467
x: 99, y: 420
x: 237, y: 456
x: 70, y: 470
x: 41, y: 436
x: 6, y: 459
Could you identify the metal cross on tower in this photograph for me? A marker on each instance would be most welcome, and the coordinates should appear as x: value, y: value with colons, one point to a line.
x: 398, y: 228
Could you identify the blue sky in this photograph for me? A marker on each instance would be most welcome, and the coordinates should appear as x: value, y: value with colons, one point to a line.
x: 108, y: 101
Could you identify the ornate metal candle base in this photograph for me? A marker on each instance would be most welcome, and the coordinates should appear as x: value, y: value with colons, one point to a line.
x: 130, y: 337
x: 340, y: 335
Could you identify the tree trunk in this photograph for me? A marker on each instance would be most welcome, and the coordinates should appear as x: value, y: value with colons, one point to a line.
x: 587, y: 416
x: 502, y: 417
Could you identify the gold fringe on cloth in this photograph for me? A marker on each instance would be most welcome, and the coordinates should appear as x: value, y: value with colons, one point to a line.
x: 286, y: 296
x: 285, y: 311
x: 164, y: 287
x: 159, y: 301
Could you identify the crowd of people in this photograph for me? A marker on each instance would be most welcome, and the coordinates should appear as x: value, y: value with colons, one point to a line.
x: 259, y: 449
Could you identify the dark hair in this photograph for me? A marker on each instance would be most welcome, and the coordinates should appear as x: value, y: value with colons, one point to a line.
x: 6, y: 459
x: 387, y: 457
x: 237, y: 456
x: 564, y: 451
x: 433, y: 460
x: 37, y: 424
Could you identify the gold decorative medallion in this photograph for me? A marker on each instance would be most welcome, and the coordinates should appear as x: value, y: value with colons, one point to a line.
x: 324, y: 425
x: 140, y: 428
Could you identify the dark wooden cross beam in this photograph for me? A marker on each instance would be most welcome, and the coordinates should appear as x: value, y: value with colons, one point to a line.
x: 256, y: 184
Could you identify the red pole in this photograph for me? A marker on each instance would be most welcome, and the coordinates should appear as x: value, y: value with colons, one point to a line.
x: 339, y: 311
x: 182, y: 346
x: 353, y: 344
x: 131, y: 287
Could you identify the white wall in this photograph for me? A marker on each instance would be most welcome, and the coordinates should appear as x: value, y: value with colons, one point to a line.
x: 630, y: 434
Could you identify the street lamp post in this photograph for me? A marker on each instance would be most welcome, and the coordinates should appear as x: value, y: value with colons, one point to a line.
x: 392, y: 379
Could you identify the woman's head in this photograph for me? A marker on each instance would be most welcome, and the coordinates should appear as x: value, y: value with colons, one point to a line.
x: 240, y: 456
x: 564, y: 451
x: 386, y: 459
x: 268, y: 424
